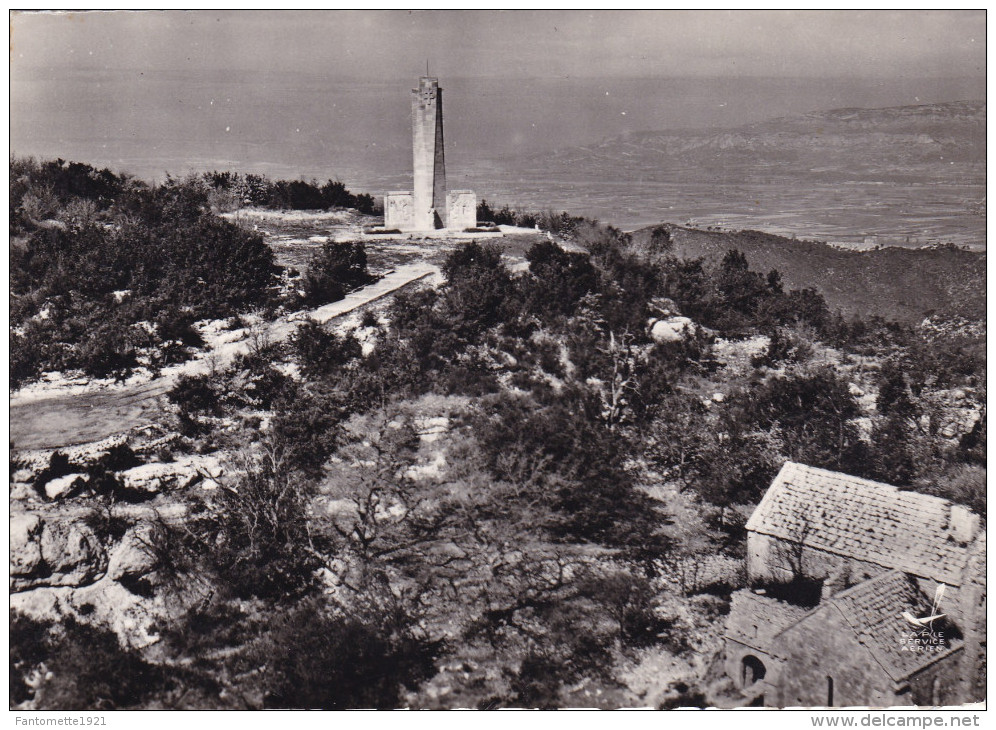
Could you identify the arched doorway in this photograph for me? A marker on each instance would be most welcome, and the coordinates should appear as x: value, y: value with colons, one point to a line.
x: 753, y: 670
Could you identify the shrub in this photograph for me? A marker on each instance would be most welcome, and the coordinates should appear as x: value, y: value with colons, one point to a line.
x: 557, y: 280
x: 962, y: 483
x: 319, y: 659
x: 26, y: 358
x: 259, y: 531
x: 369, y: 318
x: 305, y: 424
x: 320, y: 352
x: 195, y: 395
x: 335, y: 270
x: 86, y: 668
x: 176, y: 331
x: 109, y: 349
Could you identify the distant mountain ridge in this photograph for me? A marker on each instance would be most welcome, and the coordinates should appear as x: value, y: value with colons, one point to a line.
x: 890, y: 140
x: 893, y: 176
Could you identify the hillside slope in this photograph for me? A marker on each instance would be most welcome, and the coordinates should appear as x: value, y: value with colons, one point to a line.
x: 896, y: 283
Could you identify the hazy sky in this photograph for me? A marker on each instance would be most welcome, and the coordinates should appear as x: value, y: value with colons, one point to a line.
x: 396, y: 44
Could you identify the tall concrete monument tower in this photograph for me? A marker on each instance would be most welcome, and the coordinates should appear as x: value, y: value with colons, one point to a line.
x: 429, y: 157
x: 429, y: 206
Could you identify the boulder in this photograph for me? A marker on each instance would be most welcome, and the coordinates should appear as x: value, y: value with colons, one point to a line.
x: 672, y: 329
x: 213, y: 468
x: 22, y: 492
x: 131, y: 557
x: 157, y: 477
x: 25, y: 546
x: 65, y: 486
x: 73, y: 553
x: 22, y: 476
x: 86, y: 455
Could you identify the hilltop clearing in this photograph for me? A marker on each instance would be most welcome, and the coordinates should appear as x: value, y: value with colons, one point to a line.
x: 63, y: 412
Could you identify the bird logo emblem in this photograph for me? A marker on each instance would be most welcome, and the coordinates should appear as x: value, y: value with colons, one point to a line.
x: 927, y: 622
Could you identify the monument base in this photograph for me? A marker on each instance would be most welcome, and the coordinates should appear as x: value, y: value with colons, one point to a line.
x: 399, y: 210
x: 400, y: 213
x: 461, y: 209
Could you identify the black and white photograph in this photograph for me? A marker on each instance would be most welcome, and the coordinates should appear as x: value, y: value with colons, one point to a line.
x: 497, y: 359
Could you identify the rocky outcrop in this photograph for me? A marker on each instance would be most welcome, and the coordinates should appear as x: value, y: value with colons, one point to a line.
x: 131, y: 557
x: 672, y: 329
x: 154, y: 478
x: 25, y: 545
x: 65, y: 486
x: 105, y: 603
x: 161, y: 477
x: 53, y: 553
x: 81, y: 457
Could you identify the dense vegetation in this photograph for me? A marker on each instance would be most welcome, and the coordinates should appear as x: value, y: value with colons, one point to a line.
x: 904, y: 285
x: 232, y: 190
x: 108, y: 273
x: 105, y: 268
x: 512, y: 495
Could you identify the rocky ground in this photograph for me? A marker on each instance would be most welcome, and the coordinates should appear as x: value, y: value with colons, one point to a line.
x: 76, y: 555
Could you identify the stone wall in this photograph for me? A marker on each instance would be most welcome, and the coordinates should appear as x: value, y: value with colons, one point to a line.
x: 823, y: 648
x: 733, y: 664
x: 972, y: 619
x: 938, y: 684
x: 773, y: 559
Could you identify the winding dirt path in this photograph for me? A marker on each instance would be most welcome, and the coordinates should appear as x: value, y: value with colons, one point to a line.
x: 49, y: 421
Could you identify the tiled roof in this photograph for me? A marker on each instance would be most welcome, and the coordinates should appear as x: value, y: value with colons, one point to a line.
x: 862, y: 519
x: 874, y: 609
x: 755, y: 620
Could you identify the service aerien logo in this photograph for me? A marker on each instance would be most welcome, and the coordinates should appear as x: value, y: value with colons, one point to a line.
x: 927, y: 622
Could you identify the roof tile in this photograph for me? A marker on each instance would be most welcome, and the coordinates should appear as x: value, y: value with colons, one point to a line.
x: 874, y: 609
x: 862, y: 519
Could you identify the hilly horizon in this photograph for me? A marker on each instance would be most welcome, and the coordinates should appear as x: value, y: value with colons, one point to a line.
x: 953, y: 132
x: 898, y: 175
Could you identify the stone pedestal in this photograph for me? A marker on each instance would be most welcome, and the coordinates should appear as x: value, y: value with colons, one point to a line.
x: 461, y: 210
x: 399, y: 210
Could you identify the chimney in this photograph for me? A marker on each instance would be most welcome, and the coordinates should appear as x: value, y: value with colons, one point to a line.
x: 962, y: 523
x: 836, y: 581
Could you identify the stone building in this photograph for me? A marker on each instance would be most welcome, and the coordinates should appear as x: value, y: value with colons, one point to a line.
x: 861, y: 594
x: 429, y: 206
